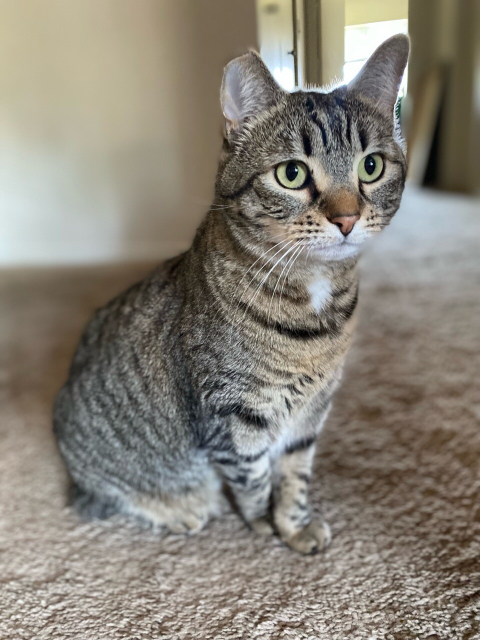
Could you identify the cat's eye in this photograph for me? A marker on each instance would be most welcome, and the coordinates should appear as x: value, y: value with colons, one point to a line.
x: 370, y: 168
x: 292, y: 174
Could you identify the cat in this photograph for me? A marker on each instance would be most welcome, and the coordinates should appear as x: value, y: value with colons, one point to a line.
x: 218, y: 369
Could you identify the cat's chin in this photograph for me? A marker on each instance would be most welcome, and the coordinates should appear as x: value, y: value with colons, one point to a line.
x: 341, y: 251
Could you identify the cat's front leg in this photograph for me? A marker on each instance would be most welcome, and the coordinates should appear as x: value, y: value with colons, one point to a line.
x: 250, y: 480
x: 291, y: 512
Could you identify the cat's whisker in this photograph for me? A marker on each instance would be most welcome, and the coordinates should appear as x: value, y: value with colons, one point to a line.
x: 297, y: 255
x: 262, y: 256
x: 295, y: 248
x: 257, y: 290
x: 290, y: 262
x: 253, y: 279
x: 265, y: 253
x: 278, y: 281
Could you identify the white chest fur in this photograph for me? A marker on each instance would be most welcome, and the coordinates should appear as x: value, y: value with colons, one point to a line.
x: 320, y: 290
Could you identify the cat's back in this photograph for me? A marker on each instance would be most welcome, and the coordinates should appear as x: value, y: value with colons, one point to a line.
x: 121, y: 363
x: 145, y: 309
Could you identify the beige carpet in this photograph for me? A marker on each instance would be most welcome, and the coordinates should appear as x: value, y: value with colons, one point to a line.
x: 397, y: 474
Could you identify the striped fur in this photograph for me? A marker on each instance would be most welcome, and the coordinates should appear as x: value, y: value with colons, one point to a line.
x: 220, y: 366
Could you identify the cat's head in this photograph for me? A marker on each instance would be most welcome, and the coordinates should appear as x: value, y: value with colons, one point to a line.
x: 320, y: 169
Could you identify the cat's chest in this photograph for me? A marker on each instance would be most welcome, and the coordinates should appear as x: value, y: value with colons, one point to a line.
x: 319, y: 290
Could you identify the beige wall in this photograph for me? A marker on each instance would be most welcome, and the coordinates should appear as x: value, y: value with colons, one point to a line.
x: 110, y: 123
x: 332, y: 39
x: 366, y: 11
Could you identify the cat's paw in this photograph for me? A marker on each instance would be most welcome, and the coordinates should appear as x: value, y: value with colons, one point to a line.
x: 189, y: 524
x: 315, y: 537
x: 262, y: 526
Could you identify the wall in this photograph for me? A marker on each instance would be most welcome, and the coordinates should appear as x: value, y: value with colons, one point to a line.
x: 110, y: 123
x: 460, y: 141
x: 332, y: 32
x: 366, y: 11
x: 446, y: 33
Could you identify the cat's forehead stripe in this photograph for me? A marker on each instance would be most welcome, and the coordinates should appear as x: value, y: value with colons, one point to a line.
x: 348, y: 132
x: 363, y: 138
x: 333, y: 120
x: 307, y: 143
x: 321, y: 126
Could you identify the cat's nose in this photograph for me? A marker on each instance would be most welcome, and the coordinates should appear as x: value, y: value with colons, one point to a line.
x: 345, y: 223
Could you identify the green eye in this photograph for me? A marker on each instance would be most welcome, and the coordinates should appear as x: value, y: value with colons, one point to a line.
x: 370, y: 168
x: 292, y: 174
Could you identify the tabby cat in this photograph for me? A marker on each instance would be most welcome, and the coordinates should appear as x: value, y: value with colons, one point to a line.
x: 217, y: 371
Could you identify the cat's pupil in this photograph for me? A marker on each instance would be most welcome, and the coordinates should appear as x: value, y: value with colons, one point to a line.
x: 291, y: 171
x: 370, y: 165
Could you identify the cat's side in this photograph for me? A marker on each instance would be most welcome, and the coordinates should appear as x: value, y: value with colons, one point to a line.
x: 220, y: 366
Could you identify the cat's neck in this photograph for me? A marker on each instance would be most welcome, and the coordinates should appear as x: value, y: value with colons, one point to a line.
x: 233, y: 262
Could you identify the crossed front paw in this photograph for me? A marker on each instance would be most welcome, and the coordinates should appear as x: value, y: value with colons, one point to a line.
x: 312, y: 539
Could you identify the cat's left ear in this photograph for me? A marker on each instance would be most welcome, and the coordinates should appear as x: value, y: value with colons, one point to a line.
x: 380, y: 77
x: 248, y: 88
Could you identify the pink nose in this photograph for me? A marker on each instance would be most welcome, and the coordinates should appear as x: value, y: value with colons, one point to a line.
x: 345, y: 223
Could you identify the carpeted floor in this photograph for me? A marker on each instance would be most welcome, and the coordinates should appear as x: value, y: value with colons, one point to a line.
x: 397, y: 474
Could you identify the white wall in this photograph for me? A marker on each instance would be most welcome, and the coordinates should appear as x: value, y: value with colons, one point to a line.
x: 110, y: 123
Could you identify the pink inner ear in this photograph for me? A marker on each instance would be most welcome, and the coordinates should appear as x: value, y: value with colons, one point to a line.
x: 247, y: 88
x: 231, y: 94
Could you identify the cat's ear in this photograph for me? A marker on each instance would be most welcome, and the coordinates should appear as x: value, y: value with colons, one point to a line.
x: 248, y: 88
x: 380, y: 77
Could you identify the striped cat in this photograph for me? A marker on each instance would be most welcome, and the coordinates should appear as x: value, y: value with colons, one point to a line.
x: 218, y: 369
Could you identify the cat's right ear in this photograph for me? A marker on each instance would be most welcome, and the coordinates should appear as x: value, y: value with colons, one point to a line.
x: 380, y: 77
x: 248, y: 88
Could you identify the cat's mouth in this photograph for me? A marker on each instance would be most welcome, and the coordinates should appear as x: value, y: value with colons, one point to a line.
x: 340, y: 250
x: 336, y: 246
